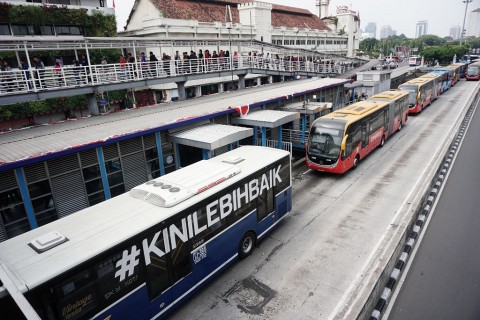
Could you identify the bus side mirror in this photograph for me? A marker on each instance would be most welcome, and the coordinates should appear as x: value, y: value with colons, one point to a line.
x: 419, y: 95
x: 343, y: 145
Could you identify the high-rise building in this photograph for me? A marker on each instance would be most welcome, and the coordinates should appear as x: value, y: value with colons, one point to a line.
x: 473, y: 24
x: 387, y: 31
x: 371, y: 29
x: 422, y: 28
x: 455, y: 32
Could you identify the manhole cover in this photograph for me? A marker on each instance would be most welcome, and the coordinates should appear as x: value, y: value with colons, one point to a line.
x: 250, y: 295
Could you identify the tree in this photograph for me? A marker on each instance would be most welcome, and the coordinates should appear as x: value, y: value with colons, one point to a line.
x: 432, y: 40
x: 367, y: 45
x: 444, y: 54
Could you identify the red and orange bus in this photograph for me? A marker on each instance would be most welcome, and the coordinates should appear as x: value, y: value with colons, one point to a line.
x: 339, y: 140
x: 473, y: 71
x: 421, y: 93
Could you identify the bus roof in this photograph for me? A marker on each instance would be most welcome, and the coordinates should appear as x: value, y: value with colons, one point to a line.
x: 431, y: 75
x: 389, y: 95
x: 417, y: 81
x: 355, y: 111
x: 103, y: 226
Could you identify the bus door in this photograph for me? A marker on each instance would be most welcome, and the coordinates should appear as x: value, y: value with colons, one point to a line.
x: 365, y: 133
x: 266, y: 210
x: 391, y: 116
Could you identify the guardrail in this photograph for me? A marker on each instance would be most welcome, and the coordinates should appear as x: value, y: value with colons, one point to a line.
x: 35, y: 80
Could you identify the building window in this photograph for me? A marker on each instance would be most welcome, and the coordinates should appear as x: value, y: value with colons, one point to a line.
x: 42, y: 201
x: 153, y: 165
x: 115, y: 177
x: 5, y: 30
x: 48, y: 30
x: 68, y: 30
x: 93, y: 184
x: 12, y: 213
x: 22, y: 30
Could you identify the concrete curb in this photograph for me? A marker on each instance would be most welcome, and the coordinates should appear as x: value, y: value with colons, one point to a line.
x: 369, y: 295
x: 424, y: 209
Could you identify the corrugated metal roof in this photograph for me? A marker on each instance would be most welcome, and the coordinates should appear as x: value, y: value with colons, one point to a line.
x: 211, y: 136
x: 43, y: 141
x: 267, y: 118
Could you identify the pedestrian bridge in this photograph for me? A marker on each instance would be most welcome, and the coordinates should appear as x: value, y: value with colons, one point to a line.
x: 38, y: 84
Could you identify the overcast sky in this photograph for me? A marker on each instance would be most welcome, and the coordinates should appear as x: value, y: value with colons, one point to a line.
x: 401, y: 15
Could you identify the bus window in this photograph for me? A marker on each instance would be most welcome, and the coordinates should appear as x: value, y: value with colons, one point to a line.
x: 76, y: 296
x: 181, y: 265
x: 157, y: 272
x: 266, y: 204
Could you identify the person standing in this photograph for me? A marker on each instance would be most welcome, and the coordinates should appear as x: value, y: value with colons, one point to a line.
x: 153, y: 64
x: 200, y: 60
x: 25, y: 73
x: 40, y: 70
x: 131, y: 66
x: 7, y: 76
x: 123, y: 63
x: 143, y: 64
x: 84, y: 63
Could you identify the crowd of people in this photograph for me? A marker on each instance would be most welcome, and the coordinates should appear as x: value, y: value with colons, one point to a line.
x: 37, y: 75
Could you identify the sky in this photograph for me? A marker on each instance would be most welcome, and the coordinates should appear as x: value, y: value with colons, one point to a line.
x: 401, y: 15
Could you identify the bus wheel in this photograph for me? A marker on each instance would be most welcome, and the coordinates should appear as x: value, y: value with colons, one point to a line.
x: 247, y: 244
x: 356, y: 162
x: 382, y: 143
x: 400, y: 126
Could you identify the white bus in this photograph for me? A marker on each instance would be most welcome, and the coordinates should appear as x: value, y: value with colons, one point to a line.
x: 142, y: 253
x: 414, y: 61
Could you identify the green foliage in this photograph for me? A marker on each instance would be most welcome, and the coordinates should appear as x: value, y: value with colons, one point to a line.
x: 47, y: 14
x: 28, y: 109
x: 111, y: 55
x: 31, y: 15
x: 432, y: 40
x: 5, y: 11
x: 444, y: 54
x: 368, y: 45
x: 101, y: 25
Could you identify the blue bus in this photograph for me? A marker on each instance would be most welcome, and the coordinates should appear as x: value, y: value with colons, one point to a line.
x: 445, y: 79
x: 142, y: 253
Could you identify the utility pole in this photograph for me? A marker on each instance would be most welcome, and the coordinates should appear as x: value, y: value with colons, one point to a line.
x: 464, y: 17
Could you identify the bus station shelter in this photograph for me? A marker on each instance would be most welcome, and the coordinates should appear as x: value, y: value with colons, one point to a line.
x: 262, y: 120
x: 308, y: 111
x: 209, y: 137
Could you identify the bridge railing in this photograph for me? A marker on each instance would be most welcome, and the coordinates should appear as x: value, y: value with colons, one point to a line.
x: 34, y: 80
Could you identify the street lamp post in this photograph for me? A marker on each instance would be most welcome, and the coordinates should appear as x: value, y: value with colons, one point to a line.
x: 464, y: 17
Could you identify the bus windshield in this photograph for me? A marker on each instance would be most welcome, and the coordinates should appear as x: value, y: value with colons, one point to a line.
x: 326, y: 138
x: 472, y: 70
x: 413, y: 91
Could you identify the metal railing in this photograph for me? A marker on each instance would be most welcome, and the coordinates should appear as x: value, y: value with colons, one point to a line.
x: 34, y: 80
x: 287, y: 146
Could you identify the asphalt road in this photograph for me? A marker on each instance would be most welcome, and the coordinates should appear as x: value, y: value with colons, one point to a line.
x: 443, y: 281
x: 327, y: 254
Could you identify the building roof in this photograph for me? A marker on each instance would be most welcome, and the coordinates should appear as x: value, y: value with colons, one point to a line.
x: 214, y: 10
x: 32, y: 145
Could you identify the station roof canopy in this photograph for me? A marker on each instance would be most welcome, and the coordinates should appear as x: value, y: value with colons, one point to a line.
x: 40, y: 143
x: 267, y: 118
x: 309, y: 107
x: 210, y: 136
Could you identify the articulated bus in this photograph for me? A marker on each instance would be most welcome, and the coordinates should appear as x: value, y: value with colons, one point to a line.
x: 456, y: 71
x: 339, y: 140
x: 437, y: 84
x: 462, y: 68
x: 142, y: 253
x: 414, y: 61
x: 473, y: 71
x: 444, y: 79
x: 421, y: 93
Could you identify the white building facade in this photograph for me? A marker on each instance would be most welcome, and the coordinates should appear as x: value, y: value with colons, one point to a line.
x: 473, y: 23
